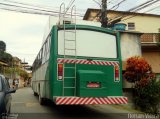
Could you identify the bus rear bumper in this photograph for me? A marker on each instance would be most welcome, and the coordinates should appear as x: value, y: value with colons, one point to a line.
x: 90, y: 100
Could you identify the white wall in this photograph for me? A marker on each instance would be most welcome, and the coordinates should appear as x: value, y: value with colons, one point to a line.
x: 130, y: 45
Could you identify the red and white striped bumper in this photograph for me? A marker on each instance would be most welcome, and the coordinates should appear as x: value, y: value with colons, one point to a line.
x: 84, y: 61
x: 90, y: 100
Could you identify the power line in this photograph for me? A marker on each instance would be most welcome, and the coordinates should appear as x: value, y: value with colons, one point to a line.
x: 142, y: 6
x: 97, y: 3
x: 11, y: 5
x: 135, y: 8
x: 38, y: 6
x: 34, y: 10
x: 155, y: 8
x: 117, y: 5
x: 143, y: 12
x: 26, y: 4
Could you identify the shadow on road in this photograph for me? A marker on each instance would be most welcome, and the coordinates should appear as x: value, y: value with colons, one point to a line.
x: 74, y: 111
x: 27, y: 107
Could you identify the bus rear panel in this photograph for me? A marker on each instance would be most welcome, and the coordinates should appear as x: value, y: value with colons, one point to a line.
x: 90, y: 72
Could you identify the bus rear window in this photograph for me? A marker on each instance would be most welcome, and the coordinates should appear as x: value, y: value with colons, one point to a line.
x: 88, y: 44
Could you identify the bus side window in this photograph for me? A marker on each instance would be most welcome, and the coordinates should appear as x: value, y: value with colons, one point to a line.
x: 40, y: 58
x: 44, y: 53
x: 48, y: 48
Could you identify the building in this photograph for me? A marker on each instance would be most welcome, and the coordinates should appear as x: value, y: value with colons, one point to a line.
x: 16, y: 62
x: 147, y: 24
x: 2, y: 66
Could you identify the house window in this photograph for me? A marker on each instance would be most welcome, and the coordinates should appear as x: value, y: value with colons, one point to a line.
x: 131, y: 26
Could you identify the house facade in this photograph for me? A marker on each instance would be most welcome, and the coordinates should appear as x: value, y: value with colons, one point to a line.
x: 147, y: 24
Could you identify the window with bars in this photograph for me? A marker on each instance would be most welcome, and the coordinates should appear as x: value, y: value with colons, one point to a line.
x: 131, y: 26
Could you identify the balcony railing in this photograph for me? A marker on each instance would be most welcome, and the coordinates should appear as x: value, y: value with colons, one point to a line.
x: 149, y: 38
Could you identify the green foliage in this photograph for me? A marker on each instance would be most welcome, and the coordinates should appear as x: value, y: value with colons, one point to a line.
x: 2, y: 46
x: 24, y: 74
x: 146, y: 91
x: 6, y: 57
x: 9, y: 70
x: 147, y: 97
x: 21, y: 72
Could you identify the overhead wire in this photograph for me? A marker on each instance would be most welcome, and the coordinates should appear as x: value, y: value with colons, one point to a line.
x: 142, y: 12
x: 137, y: 7
x: 97, y: 3
x: 34, y: 10
x: 32, y: 5
x: 30, y: 12
x: 97, y: 15
x: 117, y: 5
x: 39, y: 6
x: 11, y: 5
x: 143, y: 5
x: 141, y: 9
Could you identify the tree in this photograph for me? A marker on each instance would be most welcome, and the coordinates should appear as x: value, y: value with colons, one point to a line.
x: 6, y: 57
x: 146, y: 89
x: 2, y: 46
x: 24, y: 74
x: 136, y: 69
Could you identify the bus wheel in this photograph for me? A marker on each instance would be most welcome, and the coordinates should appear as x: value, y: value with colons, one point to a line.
x: 34, y: 93
x: 41, y: 100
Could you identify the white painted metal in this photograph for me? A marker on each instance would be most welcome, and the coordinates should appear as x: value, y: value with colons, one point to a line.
x: 90, y: 44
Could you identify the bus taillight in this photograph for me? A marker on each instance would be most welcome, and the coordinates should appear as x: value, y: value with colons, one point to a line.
x: 116, y: 70
x: 60, y: 71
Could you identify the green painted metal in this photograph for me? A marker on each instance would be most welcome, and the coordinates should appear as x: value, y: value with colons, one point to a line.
x: 85, y: 73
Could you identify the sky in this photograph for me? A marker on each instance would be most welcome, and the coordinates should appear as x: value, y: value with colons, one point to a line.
x: 23, y: 33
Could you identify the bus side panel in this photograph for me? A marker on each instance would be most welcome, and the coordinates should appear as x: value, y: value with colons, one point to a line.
x: 55, y: 86
x: 40, y: 81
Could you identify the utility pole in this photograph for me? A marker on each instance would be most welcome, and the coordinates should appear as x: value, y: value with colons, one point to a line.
x: 104, y: 19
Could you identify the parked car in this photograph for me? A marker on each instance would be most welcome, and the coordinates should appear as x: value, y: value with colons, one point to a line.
x: 5, y: 95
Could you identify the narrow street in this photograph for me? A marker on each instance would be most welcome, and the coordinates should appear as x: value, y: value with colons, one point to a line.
x: 26, y: 106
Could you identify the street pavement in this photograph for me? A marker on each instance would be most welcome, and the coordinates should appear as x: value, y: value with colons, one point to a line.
x: 26, y: 106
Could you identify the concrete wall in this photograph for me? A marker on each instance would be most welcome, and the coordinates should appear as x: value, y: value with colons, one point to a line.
x: 130, y: 45
x: 153, y: 58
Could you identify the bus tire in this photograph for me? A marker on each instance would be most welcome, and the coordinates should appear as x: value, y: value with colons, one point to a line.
x: 41, y: 100
x: 34, y: 93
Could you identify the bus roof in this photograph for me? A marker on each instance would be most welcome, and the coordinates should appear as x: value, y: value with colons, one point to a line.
x: 54, y: 21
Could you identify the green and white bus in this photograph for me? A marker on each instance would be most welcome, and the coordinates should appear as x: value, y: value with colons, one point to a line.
x: 79, y: 65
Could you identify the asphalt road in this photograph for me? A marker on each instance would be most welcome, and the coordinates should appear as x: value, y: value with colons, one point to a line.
x: 26, y: 106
